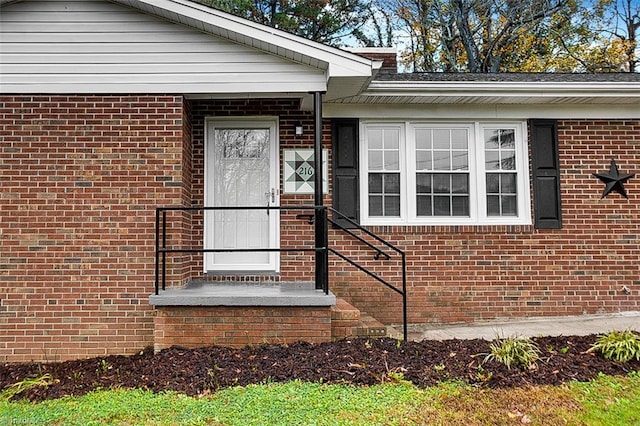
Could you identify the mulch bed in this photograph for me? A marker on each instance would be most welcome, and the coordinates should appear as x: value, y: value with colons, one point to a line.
x: 352, y: 361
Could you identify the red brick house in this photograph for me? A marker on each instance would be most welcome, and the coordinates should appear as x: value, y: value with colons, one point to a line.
x: 110, y: 110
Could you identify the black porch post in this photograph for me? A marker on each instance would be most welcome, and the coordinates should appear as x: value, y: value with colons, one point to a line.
x: 321, y: 239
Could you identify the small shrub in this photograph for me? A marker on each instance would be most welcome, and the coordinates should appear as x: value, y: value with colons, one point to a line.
x: 482, y: 375
x: 518, y: 351
x: 618, y: 346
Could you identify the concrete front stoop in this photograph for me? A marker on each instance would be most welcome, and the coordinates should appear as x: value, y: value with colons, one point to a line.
x: 238, y: 314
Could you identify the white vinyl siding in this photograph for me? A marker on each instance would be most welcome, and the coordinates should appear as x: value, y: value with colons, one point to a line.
x: 95, y: 46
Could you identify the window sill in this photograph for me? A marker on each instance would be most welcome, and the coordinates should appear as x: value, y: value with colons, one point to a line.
x: 446, y: 222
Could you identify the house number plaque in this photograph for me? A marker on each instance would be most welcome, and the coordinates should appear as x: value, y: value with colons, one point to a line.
x: 299, y: 171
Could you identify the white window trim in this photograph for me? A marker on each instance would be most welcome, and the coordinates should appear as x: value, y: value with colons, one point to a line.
x: 477, y: 185
x: 411, y: 171
x: 364, y: 174
x: 522, y: 169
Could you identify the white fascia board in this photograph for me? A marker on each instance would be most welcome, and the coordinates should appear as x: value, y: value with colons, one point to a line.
x: 504, y: 89
x: 456, y: 112
x: 338, y: 63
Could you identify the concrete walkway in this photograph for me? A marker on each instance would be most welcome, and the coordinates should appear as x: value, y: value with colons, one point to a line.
x: 543, y: 326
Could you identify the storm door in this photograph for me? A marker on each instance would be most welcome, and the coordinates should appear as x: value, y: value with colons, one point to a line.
x: 241, y: 171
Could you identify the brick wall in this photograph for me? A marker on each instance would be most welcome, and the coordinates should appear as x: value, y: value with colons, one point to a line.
x: 240, y: 326
x: 80, y: 177
x: 465, y: 273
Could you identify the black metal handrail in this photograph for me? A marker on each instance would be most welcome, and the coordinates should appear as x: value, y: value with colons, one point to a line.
x: 161, y: 238
x: 379, y: 253
x: 319, y: 214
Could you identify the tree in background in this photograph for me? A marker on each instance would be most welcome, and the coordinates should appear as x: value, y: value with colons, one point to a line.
x: 380, y: 29
x: 474, y: 35
x: 466, y: 35
x: 525, y: 36
x: 324, y: 21
x: 618, y: 25
x: 591, y: 36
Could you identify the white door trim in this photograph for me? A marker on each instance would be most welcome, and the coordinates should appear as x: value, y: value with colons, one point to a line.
x: 271, y: 122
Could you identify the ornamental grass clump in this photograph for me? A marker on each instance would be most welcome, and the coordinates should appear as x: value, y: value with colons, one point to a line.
x: 618, y: 346
x: 31, y: 382
x: 519, y: 351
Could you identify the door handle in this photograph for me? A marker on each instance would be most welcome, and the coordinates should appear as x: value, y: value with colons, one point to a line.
x: 271, y: 198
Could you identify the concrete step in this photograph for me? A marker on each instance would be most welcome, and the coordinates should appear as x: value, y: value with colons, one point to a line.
x: 214, y: 293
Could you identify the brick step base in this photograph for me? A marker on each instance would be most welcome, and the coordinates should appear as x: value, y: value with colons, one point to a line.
x: 232, y: 315
x: 370, y: 327
x: 349, y: 321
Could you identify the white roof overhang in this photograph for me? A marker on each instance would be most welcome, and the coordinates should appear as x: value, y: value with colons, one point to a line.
x: 478, y: 92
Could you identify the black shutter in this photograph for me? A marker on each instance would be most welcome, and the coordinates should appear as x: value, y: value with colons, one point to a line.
x: 345, y: 170
x: 546, y: 174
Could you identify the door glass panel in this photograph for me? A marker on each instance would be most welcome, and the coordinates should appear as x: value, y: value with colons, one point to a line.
x: 241, y: 178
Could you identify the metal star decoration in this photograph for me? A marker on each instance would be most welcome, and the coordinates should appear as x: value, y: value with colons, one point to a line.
x: 614, y: 180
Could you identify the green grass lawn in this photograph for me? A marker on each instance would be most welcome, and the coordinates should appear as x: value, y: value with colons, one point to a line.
x: 605, y: 401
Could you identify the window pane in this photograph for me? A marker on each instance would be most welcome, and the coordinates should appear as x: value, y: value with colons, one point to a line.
x: 442, y: 184
x: 441, y: 160
x: 493, y: 205
x: 391, y: 160
x: 375, y: 138
x: 459, y: 160
x: 423, y: 139
x: 392, y: 206
x: 441, y: 206
x: 508, y: 183
x: 423, y: 160
x: 375, y: 205
x: 459, y: 139
x: 441, y: 139
x: 460, y: 206
x: 392, y: 183
x: 507, y: 139
x: 509, y: 205
x: 424, y: 206
x: 375, y: 183
x: 508, y: 161
x: 491, y: 139
x: 375, y: 160
x: 459, y: 184
x: 391, y: 138
x: 492, y: 160
x: 493, y: 183
x: 423, y: 183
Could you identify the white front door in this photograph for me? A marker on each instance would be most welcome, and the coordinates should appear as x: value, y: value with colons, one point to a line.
x: 241, y: 170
